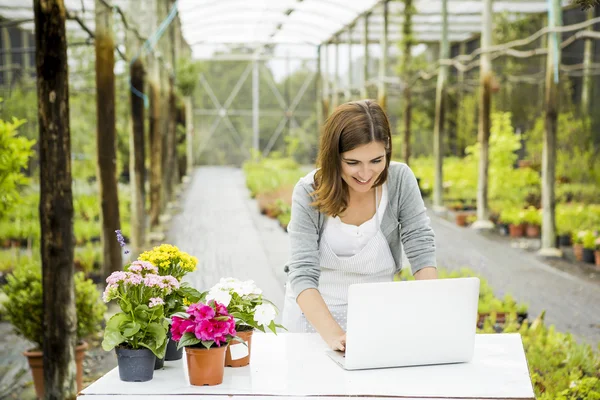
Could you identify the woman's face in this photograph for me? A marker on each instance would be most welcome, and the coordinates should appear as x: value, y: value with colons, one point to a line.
x: 361, y: 166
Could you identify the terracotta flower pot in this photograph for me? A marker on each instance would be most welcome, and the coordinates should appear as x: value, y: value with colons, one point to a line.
x: 36, y: 363
x: 461, y: 219
x: 516, y: 230
x: 597, y: 255
x: 206, y: 366
x: 238, y: 355
x: 578, y: 251
x: 533, y: 231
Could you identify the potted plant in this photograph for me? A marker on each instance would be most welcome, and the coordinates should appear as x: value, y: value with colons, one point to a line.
x: 138, y: 333
x: 597, y: 252
x: 245, y: 303
x: 24, y: 309
x: 515, y: 218
x: 577, y: 239
x: 563, y: 227
x: 589, y: 247
x: 533, y: 219
x: 174, y: 262
x: 204, y: 330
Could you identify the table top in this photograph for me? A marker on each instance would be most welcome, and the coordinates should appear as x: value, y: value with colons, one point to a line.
x: 296, y: 365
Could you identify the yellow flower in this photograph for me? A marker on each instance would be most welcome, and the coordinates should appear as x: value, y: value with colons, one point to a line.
x: 170, y: 259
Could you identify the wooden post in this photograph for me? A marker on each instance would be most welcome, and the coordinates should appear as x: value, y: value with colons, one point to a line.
x: 56, y: 200
x: 440, y: 100
x: 485, y: 104
x: 319, y: 90
x: 156, y: 144
x: 7, y: 47
x: 407, y: 42
x: 382, y: 88
x: 172, y: 174
x: 587, y: 61
x: 189, y: 134
x: 106, y: 138
x: 459, y: 99
x: 137, y: 170
x: 548, y: 247
x: 365, y: 70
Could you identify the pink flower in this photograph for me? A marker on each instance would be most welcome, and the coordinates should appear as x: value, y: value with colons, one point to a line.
x: 179, y: 327
x: 116, y: 277
x: 221, y: 309
x: 205, y: 330
x: 155, y: 301
x: 201, y: 311
x: 133, y: 278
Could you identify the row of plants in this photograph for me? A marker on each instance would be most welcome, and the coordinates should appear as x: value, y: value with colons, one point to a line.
x: 271, y: 182
x: 560, y: 368
x: 21, y: 227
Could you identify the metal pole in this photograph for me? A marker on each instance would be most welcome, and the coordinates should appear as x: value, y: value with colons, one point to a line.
x: 326, y: 91
x: 365, y: 72
x: 349, y: 89
x: 318, y: 82
x: 336, y: 90
x: 255, y: 107
x: 382, y: 92
x: 587, y: 60
x: 440, y: 102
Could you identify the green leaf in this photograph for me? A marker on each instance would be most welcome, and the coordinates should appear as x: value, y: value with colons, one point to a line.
x: 188, y: 339
x: 130, y: 328
x: 181, y: 315
x: 158, y: 332
x: 125, y: 305
x: 207, y: 343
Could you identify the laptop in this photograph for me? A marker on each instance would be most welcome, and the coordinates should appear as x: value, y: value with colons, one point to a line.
x: 410, y: 323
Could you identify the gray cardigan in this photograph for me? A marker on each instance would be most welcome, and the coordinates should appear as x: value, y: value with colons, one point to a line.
x: 405, y: 224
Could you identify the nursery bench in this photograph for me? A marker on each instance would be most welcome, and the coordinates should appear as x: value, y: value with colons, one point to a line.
x: 294, y: 365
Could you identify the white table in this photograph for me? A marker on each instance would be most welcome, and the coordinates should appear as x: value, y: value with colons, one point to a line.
x: 295, y: 365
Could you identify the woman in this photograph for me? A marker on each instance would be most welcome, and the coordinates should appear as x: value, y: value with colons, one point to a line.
x: 350, y: 220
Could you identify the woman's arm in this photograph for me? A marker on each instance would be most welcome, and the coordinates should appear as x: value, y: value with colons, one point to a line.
x: 418, y: 238
x: 316, y: 312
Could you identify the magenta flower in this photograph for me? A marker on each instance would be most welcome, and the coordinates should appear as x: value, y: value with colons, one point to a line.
x: 179, y: 327
x: 201, y: 311
x: 202, y: 321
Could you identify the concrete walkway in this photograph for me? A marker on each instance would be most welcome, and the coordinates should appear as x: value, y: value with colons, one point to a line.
x: 221, y: 225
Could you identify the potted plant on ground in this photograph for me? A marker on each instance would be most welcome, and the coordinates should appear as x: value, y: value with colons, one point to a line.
x: 174, y: 262
x: 589, y: 247
x: 597, y: 252
x: 138, y: 333
x: 577, y: 239
x: 533, y: 219
x: 245, y: 303
x: 204, y: 330
x: 24, y: 310
x: 515, y: 218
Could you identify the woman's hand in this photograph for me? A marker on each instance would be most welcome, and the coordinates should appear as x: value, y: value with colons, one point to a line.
x: 338, y: 343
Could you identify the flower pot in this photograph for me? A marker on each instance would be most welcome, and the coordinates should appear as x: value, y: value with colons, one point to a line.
x: 516, y: 230
x: 36, y: 363
x: 533, y: 231
x: 461, y: 219
x: 206, y: 366
x: 238, y: 354
x: 578, y: 251
x: 564, y: 240
x: 597, y: 255
x: 588, y: 256
x: 135, y: 365
x: 159, y: 363
x: 172, y: 353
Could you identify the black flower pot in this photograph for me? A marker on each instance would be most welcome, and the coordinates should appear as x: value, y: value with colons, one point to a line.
x: 588, y: 256
x: 564, y: 240
x: 135, y: 365
x: 159, y: 363
x: 172, y: 353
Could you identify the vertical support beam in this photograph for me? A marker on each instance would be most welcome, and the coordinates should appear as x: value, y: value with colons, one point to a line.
x: 406, y: 73
x: 319, y: 90
x: 137, y: 169
x: 350, y: 80
x: 587, y: 61
x: 440, y: 108
x: 255, y: 106
x: 106, y: 138
x: 548, y: 247
x: 543, y: 65
x: 26, y: 55
x: 189, y: 134
x: 365, y: 70
x: 326, y: 91
x: 382, y: 89
x: 7, y: 47
x: 156, y: 141
x: 56, y: 200
x: 460, y: 142
x: 336, y: 76
x: 485, y: 104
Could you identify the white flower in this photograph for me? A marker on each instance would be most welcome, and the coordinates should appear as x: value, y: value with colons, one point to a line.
x: 156, y: 301
x: 220, y: 296
x: 264, y: 314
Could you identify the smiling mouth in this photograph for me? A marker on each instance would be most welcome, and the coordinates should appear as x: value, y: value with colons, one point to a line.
x: 361, y: 182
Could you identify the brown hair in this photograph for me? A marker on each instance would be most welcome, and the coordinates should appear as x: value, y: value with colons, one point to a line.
x: 350, y: 125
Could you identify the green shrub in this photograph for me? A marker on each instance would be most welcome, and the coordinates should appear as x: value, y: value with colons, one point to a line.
x: 23, y: 305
